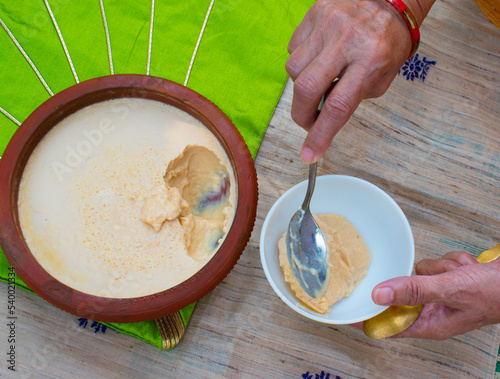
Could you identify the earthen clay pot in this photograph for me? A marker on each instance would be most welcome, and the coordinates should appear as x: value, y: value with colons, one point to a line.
x: 75, y: 98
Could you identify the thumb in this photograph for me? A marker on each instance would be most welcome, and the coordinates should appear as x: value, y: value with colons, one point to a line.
x: 409, y: 290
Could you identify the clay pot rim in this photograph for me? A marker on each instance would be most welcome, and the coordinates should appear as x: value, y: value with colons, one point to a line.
x: 142, y: 308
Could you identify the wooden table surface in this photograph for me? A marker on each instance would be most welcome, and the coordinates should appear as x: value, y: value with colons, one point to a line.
x: 433, y: 145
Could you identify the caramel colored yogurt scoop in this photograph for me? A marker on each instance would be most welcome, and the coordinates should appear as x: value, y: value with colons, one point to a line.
x: 349, y: 262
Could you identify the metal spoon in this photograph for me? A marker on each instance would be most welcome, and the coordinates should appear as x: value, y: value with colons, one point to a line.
x: 307, y: 250
x: 306, y: 246
x: 397, y: 318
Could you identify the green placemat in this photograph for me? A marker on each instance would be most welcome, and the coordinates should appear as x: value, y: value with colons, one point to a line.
x: 231, y: 51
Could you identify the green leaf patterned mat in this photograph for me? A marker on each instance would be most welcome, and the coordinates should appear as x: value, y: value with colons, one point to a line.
x: 231, y: 51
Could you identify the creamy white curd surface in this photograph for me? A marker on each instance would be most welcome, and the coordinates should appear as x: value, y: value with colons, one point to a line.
x: 100, y: 212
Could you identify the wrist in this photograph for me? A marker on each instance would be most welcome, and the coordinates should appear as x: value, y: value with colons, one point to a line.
x: 406, y: 15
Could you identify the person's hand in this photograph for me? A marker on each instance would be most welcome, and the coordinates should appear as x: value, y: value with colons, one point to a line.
x: 459, y: 294
x: 363, y: 43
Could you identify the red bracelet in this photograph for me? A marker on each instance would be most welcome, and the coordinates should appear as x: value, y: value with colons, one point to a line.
x: 410, y: 21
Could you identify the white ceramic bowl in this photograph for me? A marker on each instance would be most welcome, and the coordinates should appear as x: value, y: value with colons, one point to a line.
x: 378, y: 218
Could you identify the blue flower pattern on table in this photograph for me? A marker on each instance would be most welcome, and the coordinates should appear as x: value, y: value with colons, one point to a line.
x: 322, y: 375
x: 416, y: 68
x: 83, y: 323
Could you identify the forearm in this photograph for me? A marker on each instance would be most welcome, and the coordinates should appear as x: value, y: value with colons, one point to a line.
x: 419, y: 8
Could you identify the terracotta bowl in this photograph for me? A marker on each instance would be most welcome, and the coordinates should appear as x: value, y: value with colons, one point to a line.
x: 143, y: 308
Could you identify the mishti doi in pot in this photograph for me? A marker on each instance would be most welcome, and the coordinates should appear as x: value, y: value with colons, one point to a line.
x: 126, y: 198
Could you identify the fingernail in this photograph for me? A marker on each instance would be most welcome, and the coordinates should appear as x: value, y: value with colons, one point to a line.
x: 307, y: 155
x: 383, y: 296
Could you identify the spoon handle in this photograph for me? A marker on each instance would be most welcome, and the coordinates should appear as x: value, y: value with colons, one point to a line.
x: 313, y: 168
x: 397, y: 318
x: 310, y: 186
x: 489, y: 255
